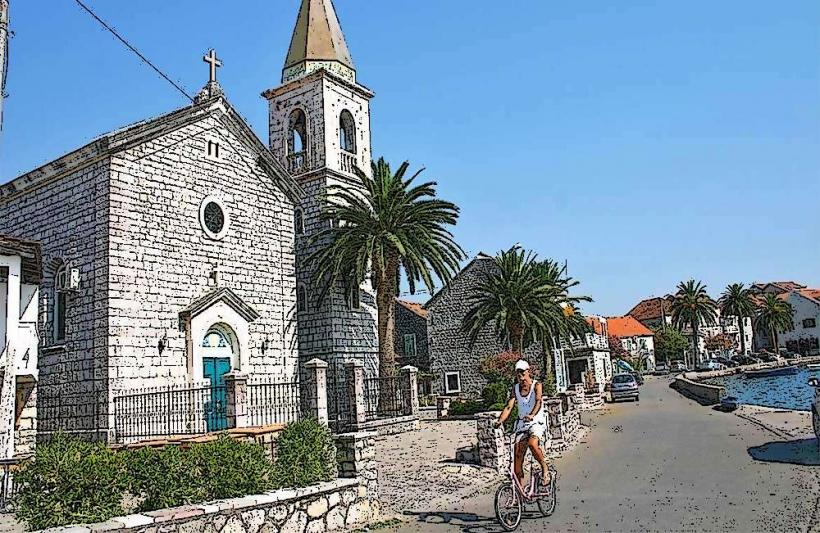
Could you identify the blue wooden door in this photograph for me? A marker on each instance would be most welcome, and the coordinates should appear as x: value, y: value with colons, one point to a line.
x: 214, y: 369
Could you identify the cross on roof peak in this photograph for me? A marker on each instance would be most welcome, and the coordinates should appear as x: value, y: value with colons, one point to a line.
x: 214, y: 63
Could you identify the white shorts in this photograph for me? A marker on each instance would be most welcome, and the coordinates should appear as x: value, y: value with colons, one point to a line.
x: 534, y: 428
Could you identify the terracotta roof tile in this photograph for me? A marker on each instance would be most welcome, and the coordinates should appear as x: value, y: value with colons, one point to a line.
x: 812, y: 294
x: 596, y: 324
x: 651, y: 309
x: 414, y: 307
x: 627, y: 326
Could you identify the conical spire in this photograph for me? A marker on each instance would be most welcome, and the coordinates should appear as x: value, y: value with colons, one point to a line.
x: 317, y: 41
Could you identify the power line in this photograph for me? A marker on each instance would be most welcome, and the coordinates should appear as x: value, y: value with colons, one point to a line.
x: 130, y: 47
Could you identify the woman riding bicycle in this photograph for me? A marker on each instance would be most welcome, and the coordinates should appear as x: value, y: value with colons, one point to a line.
x: 532, y: 421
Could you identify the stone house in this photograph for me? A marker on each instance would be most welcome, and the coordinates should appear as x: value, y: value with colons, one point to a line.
x: 411, y: 341
x: 454, y: 362
x: 20, y: 277
x: 635, y: 338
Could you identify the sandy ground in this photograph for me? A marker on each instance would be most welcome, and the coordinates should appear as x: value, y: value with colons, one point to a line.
x: 666, y: 464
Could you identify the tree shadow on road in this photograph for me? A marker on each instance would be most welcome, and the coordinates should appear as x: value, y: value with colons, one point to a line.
x: 796, y: 452
x: 468, y: 522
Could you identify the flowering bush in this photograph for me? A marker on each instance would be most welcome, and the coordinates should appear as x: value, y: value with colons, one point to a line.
x: 501, y: 367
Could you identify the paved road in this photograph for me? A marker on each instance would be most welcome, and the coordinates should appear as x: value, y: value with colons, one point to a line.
x: 664, y: 464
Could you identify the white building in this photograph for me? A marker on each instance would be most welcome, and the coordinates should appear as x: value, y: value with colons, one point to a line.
x: 635, y: 338
x: 804, y: 337
x: 20, y: 276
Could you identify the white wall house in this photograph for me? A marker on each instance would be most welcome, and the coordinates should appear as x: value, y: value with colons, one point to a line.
x: 635, y: 338
x: 804, y: 338
x: 20, y: 276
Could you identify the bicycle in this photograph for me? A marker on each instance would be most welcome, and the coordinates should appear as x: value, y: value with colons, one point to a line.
x: 511, y: 497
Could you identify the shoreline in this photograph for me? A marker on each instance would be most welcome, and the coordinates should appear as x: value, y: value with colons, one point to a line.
x: 788, y: 424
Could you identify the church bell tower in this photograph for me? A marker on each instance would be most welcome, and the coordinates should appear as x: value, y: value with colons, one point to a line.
x: 319, y: 127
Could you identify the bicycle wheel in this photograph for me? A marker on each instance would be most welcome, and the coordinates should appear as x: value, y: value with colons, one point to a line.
x: 508, y: 507
x: 547, y: 503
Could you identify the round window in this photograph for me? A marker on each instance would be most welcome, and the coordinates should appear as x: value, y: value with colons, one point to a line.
x: 213, y: 217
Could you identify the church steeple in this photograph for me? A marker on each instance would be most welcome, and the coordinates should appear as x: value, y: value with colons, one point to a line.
x: 318, y: 42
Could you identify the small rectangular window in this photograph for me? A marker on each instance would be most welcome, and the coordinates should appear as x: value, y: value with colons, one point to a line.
x: 410, y: 345
x: 452, y: 382
x: 59, y: 316
x: 809, y: 323
x: 213, y: 149
x: 355, y: 298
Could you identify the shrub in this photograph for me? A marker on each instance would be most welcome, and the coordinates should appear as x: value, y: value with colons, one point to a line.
x: 305, y: 454
x: 228, y: 468
x: 497, y: 392
x: 70, y: 481
x: 162, y: 478
x: 466, y: 407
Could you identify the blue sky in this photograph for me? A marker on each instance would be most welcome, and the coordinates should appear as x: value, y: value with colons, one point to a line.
x: 645, y: 142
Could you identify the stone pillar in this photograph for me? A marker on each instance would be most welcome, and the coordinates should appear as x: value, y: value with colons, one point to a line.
x: 492, y: 449
x: 555, y: 418
x: 315, y: 390
x: 443, y: 406
x: 355, y: 457
x: 236, y: 398
x: 354, y: 377
x: 410, y: 384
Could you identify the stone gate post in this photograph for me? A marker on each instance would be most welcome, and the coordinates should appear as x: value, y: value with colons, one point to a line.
x: 410, y: 384
x: 236, y: 398
x: 354, y: 377
x: 316, y: 390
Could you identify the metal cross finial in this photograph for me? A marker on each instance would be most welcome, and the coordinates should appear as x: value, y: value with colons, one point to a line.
x: 213, y: 62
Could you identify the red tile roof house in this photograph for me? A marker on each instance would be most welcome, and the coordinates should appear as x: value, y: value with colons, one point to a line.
x: 804, y: 337
x: 636, y: 338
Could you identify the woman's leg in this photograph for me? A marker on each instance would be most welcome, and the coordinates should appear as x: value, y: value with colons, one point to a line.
x: 520, y: 450
x: 535, y: 448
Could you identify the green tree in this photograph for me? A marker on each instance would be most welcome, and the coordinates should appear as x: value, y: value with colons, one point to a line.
x: 389, y: 226
x: 670, y: 344
x: 693, y: 307
x: 737, y: 301
x: 616, y: 348
x: 526, y: 301
x: 773, y: 315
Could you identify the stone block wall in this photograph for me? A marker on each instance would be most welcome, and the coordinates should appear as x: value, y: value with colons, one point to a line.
x: 64, y: 207
x: 161, y: 259
x: 410, y: 323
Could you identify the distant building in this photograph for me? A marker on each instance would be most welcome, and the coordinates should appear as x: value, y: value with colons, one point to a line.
x: 589, y: 354
x: 654, y: 312
x: 804, y: 337
x: 636, y: 338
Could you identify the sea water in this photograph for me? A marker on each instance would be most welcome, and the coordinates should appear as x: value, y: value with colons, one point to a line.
x: 783, y: 392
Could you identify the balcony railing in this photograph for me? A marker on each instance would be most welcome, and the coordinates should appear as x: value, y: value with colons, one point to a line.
x: 297, y: 162
x: 347, y: 161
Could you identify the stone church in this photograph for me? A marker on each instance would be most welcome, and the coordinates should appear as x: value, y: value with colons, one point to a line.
x: 173, y: 251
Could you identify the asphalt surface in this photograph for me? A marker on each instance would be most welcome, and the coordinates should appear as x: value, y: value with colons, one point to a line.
x: 664, y: 464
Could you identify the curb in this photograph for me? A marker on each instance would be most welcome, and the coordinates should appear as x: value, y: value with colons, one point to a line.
x: 780, y: 433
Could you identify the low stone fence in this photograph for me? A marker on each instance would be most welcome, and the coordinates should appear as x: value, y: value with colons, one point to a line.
x: 701, y: 392
x: 563, y: 425
x: 339, y: 505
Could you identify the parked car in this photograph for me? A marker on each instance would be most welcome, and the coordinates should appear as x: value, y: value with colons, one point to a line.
x: 624, y: 387
x: 745, y: 360
x: 725, y: 361
x: 767, y: 357
x: 678, y: 366
x: 815, y: 408
x: 661, y: 369
x: 708, y: 365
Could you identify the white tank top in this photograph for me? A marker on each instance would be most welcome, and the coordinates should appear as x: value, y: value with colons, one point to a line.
x: 526, y: 404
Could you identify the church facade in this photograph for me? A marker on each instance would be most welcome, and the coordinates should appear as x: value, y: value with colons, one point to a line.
x: 174, y: 250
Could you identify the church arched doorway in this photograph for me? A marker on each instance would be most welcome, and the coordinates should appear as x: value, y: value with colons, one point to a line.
x: 219, y: 351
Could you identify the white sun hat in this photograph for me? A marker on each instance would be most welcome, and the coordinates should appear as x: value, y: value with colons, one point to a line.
x: 522, y: 365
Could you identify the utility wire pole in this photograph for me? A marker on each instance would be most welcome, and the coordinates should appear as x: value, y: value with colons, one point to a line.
x: 4, y: 53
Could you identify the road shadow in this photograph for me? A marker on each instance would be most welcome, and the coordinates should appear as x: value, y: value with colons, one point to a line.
x: 467, y: 522
x: 795, y: 452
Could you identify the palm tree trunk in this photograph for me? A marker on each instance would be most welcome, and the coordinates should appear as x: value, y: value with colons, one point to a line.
x: 385, y: 298
x: 696, y: 342
x: 517, y: 339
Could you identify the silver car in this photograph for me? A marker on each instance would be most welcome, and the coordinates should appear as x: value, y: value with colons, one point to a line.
x: 624, y: 387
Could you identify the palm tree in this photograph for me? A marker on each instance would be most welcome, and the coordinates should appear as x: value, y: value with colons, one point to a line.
x: 388, y: 226
x: 692, y: 307
x: 523, y: 299
x: 773, y: 315
x: 737, y: 301
x: 571, y: 322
